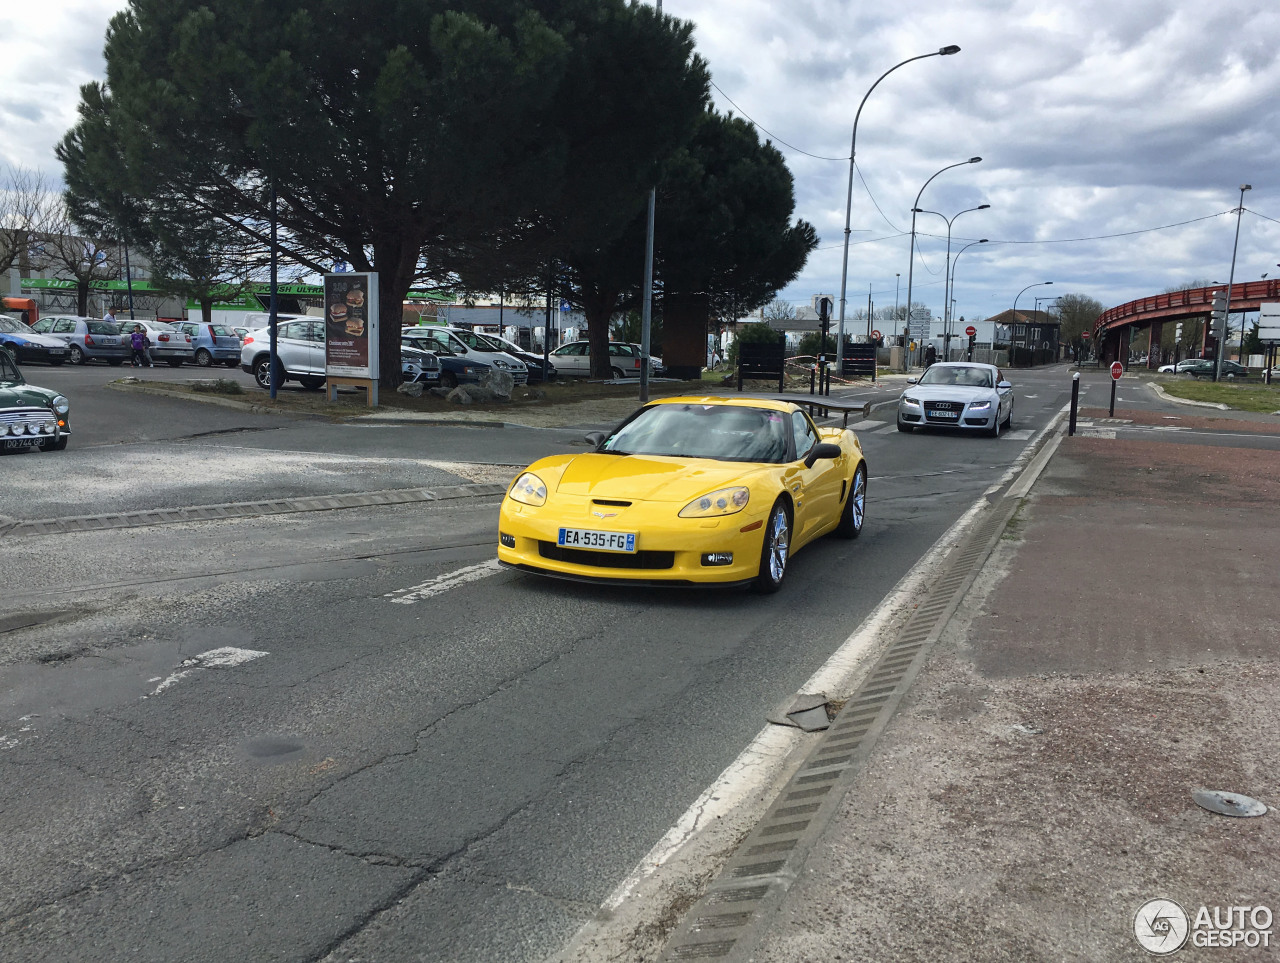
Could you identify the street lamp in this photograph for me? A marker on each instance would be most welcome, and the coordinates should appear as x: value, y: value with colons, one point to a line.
x: 1222, y: 339
x: 1024, y: 291
x: 956, y: 262
x: 946, y: 292
x: 848, y: 203
x: 911, y: 257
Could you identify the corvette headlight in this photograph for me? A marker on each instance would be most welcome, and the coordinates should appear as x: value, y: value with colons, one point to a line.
x: 979, y: 405
x: 727, y: 501
x: 910, y: 402
x: 61, y: 405
x: 529, y: 489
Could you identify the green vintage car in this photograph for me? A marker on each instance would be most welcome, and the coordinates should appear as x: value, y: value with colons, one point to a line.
x: 30, y: 417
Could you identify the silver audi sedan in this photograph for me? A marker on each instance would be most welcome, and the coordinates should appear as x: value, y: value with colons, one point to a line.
x: 958, y: 394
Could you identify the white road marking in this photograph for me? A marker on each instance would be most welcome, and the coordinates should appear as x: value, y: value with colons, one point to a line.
x: 885, y: 430
x: 443, y: 583
x: 224, y: 658
x: 1022, y: 434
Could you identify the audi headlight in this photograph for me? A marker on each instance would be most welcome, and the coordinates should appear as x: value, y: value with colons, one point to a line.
x: 61, y: 405
x: 979, y: 405
x: 910, y: 402
x: 727, y: 501
x: 529, y: 490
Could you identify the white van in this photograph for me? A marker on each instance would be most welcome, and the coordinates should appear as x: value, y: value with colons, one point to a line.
x: 469, y: 345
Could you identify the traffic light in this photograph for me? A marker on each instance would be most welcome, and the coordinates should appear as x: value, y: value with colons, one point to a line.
x: 1219, y: 308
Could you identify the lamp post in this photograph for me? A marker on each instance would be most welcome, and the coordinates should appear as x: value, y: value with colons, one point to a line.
x: 848, y: 203
x: 911, y: 257
x: 1222, y: 338
x: 956, y: 263
x: 946, y: 284
x: 1015, y: 314
x: 1025, y: 290
x: 646, y: 298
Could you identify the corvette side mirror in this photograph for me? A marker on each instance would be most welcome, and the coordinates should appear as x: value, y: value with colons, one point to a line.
x: 595, y: 438
x: 823, y: 449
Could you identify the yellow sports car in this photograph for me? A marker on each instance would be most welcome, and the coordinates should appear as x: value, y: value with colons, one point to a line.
x: 713, y: 490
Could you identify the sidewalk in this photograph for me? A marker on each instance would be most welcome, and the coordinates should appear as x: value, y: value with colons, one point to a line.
x: 1118, y: 650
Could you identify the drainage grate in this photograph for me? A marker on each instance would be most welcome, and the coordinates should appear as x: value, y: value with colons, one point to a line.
x: 833, y: 764
x: 283, y: 506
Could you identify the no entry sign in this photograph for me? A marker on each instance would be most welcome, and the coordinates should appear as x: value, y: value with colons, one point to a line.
x: 971, y: 331
x: 1117, y: 369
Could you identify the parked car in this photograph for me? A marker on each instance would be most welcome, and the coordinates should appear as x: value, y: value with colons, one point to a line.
x: 1204, y: 368
x: 168, y: 344
x: 454, y: 370
x: 417, y: 365
x: 574, y: 359
x: 658, y: 367
x: 30, y: 417
x: 25, y: 345
x: 957, y: 394
x: 212, y: 343
x: 468, y: 345
x: 87, y: 339
x: 531, y: 359
x: 299, y: 347
x: 1178, y: 368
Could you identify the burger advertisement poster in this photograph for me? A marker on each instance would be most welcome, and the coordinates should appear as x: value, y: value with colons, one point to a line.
x: 351, y: 325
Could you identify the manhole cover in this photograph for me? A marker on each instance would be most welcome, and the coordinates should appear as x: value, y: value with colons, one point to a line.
x: 1228, y: 803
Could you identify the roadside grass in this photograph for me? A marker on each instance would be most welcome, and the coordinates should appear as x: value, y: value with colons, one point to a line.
x: 1243, y: 397
x: 219, y: 386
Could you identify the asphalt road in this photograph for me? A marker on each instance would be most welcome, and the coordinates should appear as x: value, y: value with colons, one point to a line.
x: 346, y: 735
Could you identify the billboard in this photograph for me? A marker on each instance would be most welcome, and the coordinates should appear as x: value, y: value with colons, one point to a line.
x: 351, y: 325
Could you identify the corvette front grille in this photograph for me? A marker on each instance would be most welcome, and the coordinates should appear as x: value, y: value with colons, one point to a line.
x: 585, y: 556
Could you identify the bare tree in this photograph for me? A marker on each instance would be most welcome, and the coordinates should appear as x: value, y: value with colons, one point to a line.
x: 27, y: 204
x: 72, y: 255
x: 777, y: 312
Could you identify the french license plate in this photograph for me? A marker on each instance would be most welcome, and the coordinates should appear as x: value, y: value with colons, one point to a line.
x: 600, y: 541
x: 944, y: 414
x: 12, y: 443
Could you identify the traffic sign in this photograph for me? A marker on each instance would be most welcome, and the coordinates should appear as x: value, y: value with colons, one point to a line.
x: 971, y: 331
x: 1117, y: 369
x: 876, y: 335
x: 1085, y: 335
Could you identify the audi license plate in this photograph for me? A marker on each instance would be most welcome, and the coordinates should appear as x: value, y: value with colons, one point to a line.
x: 944, y: 414
x: 600, y: 541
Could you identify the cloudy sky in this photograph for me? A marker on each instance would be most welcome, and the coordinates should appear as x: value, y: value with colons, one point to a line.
x: 1114, y: 135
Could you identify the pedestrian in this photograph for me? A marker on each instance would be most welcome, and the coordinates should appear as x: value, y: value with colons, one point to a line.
x: 930, y: 355
x: 138, y: 341
x: 109, y: 316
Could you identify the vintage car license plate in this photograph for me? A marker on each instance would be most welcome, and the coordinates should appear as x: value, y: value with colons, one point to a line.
x: 944, y: 414
x: 12, y: 443
x: 600, y: 541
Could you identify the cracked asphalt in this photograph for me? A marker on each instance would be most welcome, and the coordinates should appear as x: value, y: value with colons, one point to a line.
x: 465, y: 777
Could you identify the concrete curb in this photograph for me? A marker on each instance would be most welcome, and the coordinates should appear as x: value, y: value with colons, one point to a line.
x: 206, y: 399
x: 1186, y: 401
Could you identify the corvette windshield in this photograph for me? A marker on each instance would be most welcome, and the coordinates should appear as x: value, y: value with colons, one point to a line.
x: 963, y: 376
x: 722, y: 432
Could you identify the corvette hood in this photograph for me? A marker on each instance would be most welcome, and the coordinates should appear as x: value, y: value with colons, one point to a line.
x: 640, y: 478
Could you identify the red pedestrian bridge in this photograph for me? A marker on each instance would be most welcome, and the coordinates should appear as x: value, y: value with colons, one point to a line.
x: 1195, y: 304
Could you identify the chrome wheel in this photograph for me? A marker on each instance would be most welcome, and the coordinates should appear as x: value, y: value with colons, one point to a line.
x: 855, y: 507
x: 775, y: 550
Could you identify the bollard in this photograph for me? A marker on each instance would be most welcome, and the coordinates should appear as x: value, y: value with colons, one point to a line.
x: 812, y: 373
x: 1075, y: 402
